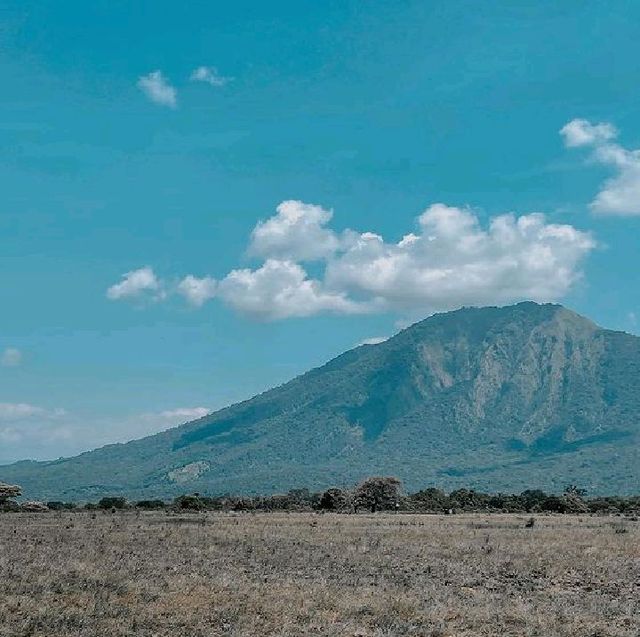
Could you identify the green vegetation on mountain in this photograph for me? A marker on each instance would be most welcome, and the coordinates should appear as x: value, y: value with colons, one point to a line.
x: 500, y: 399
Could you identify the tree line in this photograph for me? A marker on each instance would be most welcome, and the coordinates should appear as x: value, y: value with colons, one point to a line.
x: 371, y: 495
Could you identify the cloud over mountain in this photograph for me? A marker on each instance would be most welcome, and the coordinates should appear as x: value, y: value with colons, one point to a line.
x: 451, y: 259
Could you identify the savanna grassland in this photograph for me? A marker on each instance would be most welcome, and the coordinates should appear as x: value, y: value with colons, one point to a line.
x: 159, y: 574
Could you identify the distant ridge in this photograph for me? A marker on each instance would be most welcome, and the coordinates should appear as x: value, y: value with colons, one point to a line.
x: 495, y: 398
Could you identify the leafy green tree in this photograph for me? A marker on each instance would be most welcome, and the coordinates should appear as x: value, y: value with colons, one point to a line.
x: 381, y: 493
x: 533, y: 499
x: 430, y: 499
x: 334, y: 500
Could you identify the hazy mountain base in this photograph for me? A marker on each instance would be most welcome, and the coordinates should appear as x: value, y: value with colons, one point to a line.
x: 495, y: 399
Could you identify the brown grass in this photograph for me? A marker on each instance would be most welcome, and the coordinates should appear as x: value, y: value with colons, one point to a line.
x: 303, y: 574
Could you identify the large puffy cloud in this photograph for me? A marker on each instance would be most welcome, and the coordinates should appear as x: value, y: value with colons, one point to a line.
x: 135, y: 284
x: 451, y: 259
x: 297, y: 232
x: 620, y: 195
x: 281, y: 289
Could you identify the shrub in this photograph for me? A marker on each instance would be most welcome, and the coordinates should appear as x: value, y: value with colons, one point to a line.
x: 150, y: 505
x: 112, y: 503
x: 189, y: 502
x: 60, y: 506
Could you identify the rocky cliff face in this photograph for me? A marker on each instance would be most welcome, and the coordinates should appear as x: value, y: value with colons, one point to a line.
x: 498, y: 398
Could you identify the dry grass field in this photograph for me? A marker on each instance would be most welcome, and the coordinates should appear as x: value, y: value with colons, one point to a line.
x: 199, y: 575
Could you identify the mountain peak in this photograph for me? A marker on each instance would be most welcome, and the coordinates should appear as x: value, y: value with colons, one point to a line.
x: 502, y: 398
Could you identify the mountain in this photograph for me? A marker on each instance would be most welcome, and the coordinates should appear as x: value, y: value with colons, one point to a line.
x: 491, y: 398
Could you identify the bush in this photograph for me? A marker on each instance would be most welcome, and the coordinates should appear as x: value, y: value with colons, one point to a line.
x: 60, y: 506
x: 112, y: 503
x: 189, y: 502
x: 150, y: 505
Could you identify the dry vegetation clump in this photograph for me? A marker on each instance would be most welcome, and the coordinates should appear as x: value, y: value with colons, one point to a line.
x: 213, y: 574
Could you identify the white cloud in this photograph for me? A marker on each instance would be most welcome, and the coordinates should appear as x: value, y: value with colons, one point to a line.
x: 454, y: 261
x: 20, y: 411
x: 135, y: 284
x: 450, y: 260
x: 23, y: 423
x: 157, y: 88
x: 209, y: 75
x: 179, y: 415
x: 281, y: 289
x: 197, y: 291
x: 11, y: 357
x: 295, y: 233
x: 374, y: 340
x: 581, y: 132
x: 620, y: 195
x: 31, y: 431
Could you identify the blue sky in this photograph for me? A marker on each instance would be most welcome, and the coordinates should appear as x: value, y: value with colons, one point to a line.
x: 161, y: 140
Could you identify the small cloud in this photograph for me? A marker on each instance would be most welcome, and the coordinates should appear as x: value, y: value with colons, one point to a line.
x: 19, y: 411
x: 581, y: 132
x: 157, y: 88
x: 632, y: 319
x: 185, y: 413
x: 11, y: 357
x: 136, y: 283
x: 209, y: 75
x: 197, y: 291
x: 374, y: 340
x: 620, y: 194
x: 171, y: 417
x: 10, y: 412
x: 24, y: 427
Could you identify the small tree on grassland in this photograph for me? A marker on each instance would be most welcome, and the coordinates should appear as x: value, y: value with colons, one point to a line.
x: 334, y: 500
x: 378, y: 494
